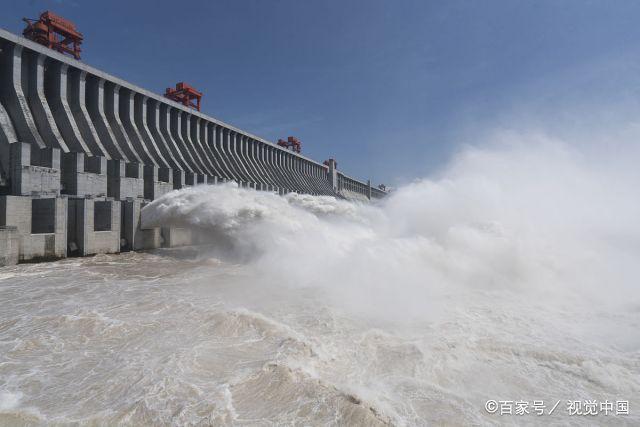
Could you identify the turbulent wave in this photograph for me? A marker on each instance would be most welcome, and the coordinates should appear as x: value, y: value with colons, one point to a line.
x: 535, y: 217
x: 511, y: 274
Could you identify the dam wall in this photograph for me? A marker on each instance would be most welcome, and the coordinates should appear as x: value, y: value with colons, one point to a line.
x: 82, y: 152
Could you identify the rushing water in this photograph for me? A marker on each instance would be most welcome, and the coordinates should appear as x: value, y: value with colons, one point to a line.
x: 512, y: 276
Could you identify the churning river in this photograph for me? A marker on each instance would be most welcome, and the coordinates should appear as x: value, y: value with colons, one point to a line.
x: 511, y: 276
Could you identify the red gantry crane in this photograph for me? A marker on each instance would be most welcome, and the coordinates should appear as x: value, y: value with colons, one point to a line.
x: 185, y: 94
x: 54, y: 32
x: 292, y: 143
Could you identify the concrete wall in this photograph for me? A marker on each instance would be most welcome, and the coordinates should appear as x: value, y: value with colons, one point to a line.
x: 77, y: 135
x: 16, y: 211
x: 132, y: 236
x: 34, y: 171
x: 173, y: 237
x: 84, y: 176
x: 9, y: 246
x: 87, y: 234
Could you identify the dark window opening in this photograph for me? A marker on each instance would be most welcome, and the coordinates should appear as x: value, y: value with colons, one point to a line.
x: 43, y: 216
x: 92, y: 164
x: 102, y: 216
x: 163, y: 175
x: 131, y: 170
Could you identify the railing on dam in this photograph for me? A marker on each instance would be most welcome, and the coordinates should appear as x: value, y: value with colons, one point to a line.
x: 82, y: 152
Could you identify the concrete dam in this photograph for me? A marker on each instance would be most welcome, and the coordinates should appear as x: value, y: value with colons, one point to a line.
x: 82, y: 152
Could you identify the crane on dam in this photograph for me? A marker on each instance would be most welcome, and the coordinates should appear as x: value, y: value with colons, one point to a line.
x: 54, y: 32
x: 185, y: 94
x: 291, y: 143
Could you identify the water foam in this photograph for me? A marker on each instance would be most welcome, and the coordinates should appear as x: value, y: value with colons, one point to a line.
x: 9, y: 400
x: 533, y: 217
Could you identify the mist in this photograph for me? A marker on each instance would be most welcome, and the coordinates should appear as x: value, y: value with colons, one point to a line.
x: 530, y: 218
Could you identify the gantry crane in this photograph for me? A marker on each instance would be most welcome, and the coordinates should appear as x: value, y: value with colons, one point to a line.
x: 185, y: 94
x: 54, y: 32
x: 292, y: 143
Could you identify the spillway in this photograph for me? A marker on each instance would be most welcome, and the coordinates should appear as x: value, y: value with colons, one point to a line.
x: 82, y: 152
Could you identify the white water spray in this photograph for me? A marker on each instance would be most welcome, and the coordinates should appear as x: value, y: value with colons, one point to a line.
x: 534, y: 218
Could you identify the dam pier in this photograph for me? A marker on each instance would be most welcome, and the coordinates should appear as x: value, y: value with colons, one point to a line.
x: 82, y: 152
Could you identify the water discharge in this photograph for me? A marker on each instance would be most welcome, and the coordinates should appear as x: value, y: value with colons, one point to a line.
x: 511, y: 275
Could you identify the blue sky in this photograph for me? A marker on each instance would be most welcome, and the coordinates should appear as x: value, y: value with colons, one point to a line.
x: 391, y: 89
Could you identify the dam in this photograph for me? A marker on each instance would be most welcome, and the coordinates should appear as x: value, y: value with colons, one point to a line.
x: 82, y: 152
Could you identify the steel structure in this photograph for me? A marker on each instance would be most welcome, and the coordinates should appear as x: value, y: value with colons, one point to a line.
x: 292, y: 143
x: 54, y: 32
x: 185, y: 94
